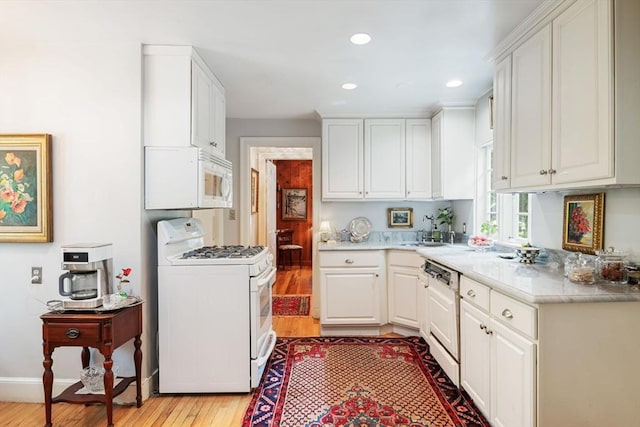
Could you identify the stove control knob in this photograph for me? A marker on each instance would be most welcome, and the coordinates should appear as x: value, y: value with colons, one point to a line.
x: 270, y: 257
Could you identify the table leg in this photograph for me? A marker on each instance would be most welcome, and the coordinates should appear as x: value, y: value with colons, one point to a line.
x: 84, y: 356
x: 47, y: 381
x: 108, y: 388
x: 137, y: 358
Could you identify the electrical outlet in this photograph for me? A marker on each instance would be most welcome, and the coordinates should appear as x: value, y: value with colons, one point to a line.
x: 36, y: 275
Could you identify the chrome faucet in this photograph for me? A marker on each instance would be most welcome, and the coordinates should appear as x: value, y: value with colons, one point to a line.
x: 452, y: 236
x: 424, y: 232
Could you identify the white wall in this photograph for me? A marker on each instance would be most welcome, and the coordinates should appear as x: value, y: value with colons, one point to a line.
x: 621, y: 218
x: 88, y: 96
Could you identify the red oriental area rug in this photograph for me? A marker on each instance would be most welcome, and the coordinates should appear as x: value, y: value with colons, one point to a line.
x: 291, y: 305
x: 350, y: 381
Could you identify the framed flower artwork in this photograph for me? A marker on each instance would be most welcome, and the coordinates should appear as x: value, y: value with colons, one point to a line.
x: 583, y: 225
x: 26, y: 211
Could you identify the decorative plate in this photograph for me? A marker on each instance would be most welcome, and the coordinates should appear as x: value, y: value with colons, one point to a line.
x: 360, y: 228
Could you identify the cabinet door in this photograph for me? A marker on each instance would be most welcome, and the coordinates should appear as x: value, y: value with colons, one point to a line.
x: 582, y: 93
x: 384, y: 159
x: 436, y: 156
x: 475, y: 355
x: 202, y: 108
x: 404, y: 296
x: 423, y: 305
x: 418, y: 174
x: 350, y: 297
x: 443, y: 315
x: 342, y: 159
x: 219, y: 123
x: 531, y: 111
x: 513, y: 378
x: 502, y: 124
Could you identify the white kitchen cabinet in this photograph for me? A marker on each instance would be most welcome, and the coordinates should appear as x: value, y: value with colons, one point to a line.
x: 513, y: 374
x: 475, y: 355
x: 453, y: 154
x: 502, y: 124
x: 376, y: 159
x: 418, y: 155
x: 352, y: 288
x: 404, y: 288
x: 442, y: 309
x: 384, y: 159
x: 574, y: 96
x: 531, y: 111
x: 498, y: 354
x: 184, y: 103
x: 342, y: 159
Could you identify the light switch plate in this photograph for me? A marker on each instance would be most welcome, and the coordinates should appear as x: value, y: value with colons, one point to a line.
x: 36, y: 275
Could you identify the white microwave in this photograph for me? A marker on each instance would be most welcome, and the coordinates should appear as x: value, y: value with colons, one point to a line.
x: 186, y: 178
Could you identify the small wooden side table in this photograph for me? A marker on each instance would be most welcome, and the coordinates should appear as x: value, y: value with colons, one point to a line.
x: 104, y: 331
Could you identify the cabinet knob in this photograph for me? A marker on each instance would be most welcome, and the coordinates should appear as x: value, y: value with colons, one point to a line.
x: 507, y: 313
x: 471, y: 293
x: 348, y: 261
x: 552, y: 171
x: 213, y: 144
x: 72, y: 333
x: 543, y: 172
x: 504, y: 177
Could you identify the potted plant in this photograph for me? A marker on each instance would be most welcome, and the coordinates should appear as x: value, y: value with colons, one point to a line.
x: 446, y: 216
x: 489, y: 228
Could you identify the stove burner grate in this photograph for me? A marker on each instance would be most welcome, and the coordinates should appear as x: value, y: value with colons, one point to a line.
x: 218, y: 252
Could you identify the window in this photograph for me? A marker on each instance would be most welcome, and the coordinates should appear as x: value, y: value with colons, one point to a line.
x: 509, y: 211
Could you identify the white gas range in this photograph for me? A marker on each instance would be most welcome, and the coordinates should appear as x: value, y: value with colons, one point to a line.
x: 214, y: 311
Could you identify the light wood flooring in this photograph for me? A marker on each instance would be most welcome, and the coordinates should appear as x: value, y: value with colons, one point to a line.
x: 220, y: 410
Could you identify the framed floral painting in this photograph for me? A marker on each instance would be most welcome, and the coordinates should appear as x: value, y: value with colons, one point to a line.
x: 583, y: 225
x: 25, y: 188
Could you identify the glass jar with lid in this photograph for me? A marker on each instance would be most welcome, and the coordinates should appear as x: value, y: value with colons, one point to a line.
x: 581, y: 269
x: 610, y: 266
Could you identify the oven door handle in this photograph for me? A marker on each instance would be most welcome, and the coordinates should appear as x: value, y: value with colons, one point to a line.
x: 267, y: 278
x: 267, y: 348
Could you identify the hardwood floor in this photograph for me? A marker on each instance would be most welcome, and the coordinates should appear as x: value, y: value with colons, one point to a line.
x: 219, y: 410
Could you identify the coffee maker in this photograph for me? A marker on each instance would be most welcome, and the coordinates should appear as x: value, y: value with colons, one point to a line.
x: 88, y: 279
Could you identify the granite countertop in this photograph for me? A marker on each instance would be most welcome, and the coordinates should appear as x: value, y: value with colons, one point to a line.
x: 542, y: 282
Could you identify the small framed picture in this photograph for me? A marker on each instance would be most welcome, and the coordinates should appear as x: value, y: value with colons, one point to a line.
x: 582, y: 229
x: 400, y: 217
x: 294, y: 204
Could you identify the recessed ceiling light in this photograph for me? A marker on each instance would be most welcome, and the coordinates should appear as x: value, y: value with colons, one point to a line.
x: 360, y: 38
x: 349, y: 86
x: 454, y: 83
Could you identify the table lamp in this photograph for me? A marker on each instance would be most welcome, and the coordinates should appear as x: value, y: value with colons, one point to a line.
x: 325, y: 231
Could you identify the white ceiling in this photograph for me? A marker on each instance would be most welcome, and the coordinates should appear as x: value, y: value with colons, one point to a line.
x: 288, y: 58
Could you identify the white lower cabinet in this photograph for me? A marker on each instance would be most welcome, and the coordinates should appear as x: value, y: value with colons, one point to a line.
x: 404, y: 288
x: 498, y: 362
x: 352, y: 288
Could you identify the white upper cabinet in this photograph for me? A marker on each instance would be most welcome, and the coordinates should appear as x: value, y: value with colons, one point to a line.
x: 453, y: 154
x: 384, y: 159
x: 502, y: 124
x: 531, y: 111
x: 418, y: 138
x: 342, y: 159
x: 376, y: 159
x: 184, y: 103
x: 572, y: 100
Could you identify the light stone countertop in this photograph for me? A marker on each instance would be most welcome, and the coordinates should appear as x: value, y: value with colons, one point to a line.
x: 532, y: 283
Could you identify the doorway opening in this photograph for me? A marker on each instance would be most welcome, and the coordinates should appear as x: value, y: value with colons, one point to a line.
x: 288, y: 201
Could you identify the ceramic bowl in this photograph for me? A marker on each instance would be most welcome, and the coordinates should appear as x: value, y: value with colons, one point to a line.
x: 528, y: 255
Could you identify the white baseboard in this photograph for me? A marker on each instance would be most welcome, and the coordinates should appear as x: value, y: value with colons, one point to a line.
x: 31, y: 390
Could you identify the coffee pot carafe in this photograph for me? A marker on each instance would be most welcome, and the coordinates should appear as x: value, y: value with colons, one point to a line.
x: 88, y: 277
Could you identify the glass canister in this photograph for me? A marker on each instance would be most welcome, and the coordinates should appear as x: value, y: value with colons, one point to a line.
x: 581, y: 270
x: 610, y: 266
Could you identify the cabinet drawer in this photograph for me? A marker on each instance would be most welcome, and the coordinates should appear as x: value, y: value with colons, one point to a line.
x: 519, y: 316
x: 86, y: 334
x: 351, y: 259
x: 474, y: 292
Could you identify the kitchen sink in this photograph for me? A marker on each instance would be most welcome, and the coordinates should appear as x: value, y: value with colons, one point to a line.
x: 422, y: 244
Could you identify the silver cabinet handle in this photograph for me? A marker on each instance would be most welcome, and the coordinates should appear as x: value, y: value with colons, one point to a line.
x: 348, y: 261
x: 552, y: 171
x: 504, y: 178
x: 213, y: 143
x: 483, y: 326
x: 72, y: 333
x: 543, y: 172
x: 471, y: 293
x: 488, y: 331
x: 507, y: 313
